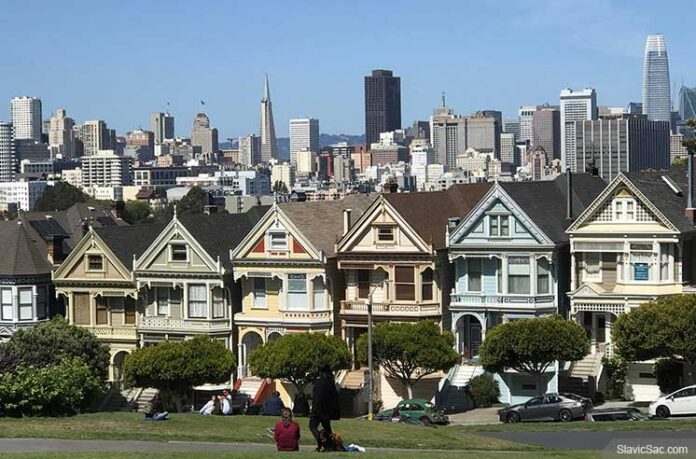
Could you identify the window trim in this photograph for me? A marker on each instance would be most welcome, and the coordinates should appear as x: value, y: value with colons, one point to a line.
x: 257, y: 298
x: 30, y: 304
x: 548, y: 276
x: 412, y: 283
x: 529, y: 276
x: 88, y: 268
x: 286, y: 245
x: 174, y: 244
x: 189, y: 302
x: 392, y: 232
x: 431, y: 283
x: 469, y: 263
x: 13, y: 310
x: 499, y: 219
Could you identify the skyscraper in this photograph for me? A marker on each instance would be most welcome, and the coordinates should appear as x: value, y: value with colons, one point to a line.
x: 26, y: 118
x: 526, y: 118
x: 304, y: 135
x: 656, y: 100
x: 162, y: 125
x: 250, y: 150
x: 61, y: 138
x: 546, y: 130
x: 202, y: 135
x: 269, y: 147
x: 95, y: 136
x: 382, y: 104
x: 7, y: 153
x: 687, y: 103
x: 575, y: 106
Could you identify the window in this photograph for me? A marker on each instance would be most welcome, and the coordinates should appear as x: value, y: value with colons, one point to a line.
x: 427, y: 285
x: 543, y: 276
x: 218, y: 303
x: 81, y: 306
x: 363, y: 283
x: 41, y: 303
x: 7, y: 306
x: 278, y: 241
x: 259, y: 286
x: 102, y: 311
x: 386, y: 234
x: 178, y: 252
x: 405, y: 283
x: 319, y: 293
x: 297, y: 291
x: 474, y: 270
x: 26, y: 303
x: 95, y: 263
x: 499, y: 225
x: 665, y: 250
x: 592, y: 263
x: 197, y: 301
x: 625, y: 209
x: 499, y: 274
x: 129, y: 311
x: 518, y: 275
x: 162, y: 301
x: 641, y: 259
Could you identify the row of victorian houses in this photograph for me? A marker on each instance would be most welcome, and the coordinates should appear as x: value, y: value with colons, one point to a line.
x: 468, y: 258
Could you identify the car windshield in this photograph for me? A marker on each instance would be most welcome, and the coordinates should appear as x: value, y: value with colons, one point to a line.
x: 429, y: 406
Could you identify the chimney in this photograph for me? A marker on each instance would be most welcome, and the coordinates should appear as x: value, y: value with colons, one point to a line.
x: 569, y: 194
x: 452, y: 223
x: 54, y: 249
x: 346, y: 220
x: 690, y: 212
x: 209, y: 209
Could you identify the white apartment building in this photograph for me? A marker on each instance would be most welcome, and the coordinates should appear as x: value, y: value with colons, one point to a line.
x: 526, y: 120
x: 61, y: 138
x: 304, y: 134
x: 7, y: 152
x: 72, y: 177
x: 422, y: 154
x: 575, y: 106
x: 95, y: 137
x: 105, y: 168
x: 508, y: 148
x: 283, y: 172
x: 23, y: 194
x: 305, y: 161
x: 26, y: 117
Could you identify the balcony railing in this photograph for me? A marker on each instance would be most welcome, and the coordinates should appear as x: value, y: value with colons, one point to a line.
x: 391, y: 309
x: 509, y: 300
x: 194, y: 325
x: 114, y: 332
x: 307, y: 315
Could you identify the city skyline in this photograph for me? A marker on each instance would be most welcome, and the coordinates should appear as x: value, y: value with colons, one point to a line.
x: 610, y: 62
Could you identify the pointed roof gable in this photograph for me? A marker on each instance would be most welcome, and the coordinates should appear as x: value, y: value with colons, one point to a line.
x: 428, y: 212
x: 24, y: 254
x: 129, y: 241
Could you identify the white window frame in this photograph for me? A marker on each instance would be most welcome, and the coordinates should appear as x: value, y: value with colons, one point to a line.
x: 392, y: 232
x: 319, y: 294
x: 588, y: 275
x: 171, y: 252
x: 4, y: 292
x: 498, y: 218
x: 531, y: 278
x: 624, y: 209
x: 549, y: 277
x: 218, y: 303
x: 279, y: 248
x: 200, y: 303
x: 23, y: 306
x: 469, y: 263
x: 259, y: 301
x: 302, y: 296
x: 88, y: 268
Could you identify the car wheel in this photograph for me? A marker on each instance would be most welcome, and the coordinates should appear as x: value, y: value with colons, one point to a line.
x: 662, y: 412
x: 512, y: 417
x: 425, y: 420
x: 565, y: 416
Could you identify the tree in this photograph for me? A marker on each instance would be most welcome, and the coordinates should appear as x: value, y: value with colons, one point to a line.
x: 175, y: 367
x: 280, y: 187
x: 296, y: 358
x: 410, y: 351
x: 663, y: 328
x: 136, y: 212
x: 531, y: 346
x: 51, y: 342
x: 680, y: 161
x: 60, y: 196
x: 193, y: 202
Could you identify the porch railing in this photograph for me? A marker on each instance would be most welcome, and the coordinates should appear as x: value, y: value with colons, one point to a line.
x: 167, y: 323
x: 418, y: 309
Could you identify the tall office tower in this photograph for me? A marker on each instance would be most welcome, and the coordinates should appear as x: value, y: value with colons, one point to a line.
x: 202, y: 135
x: 304, y: 135
x: 656, y: 100
x: 627, y: 143
x: 382, y: 104
x: 420, y: 130
x: 422, y: 155
x: 634, y: 108
x: 269, y: 146
x: 687, y: 103
x: 546, y: 130
x: 61, y: 139
x: 526, y: 119
x: 26, y: 117
x: 451, y: 135
x: 140, y: 145
x: 94, y: 136
x: 512, y: 126
x: 575, y: 106
x: 508, y: 149
x: 483, y: 134
x: 250, y: 149
x: 7, y: 152
x: 536, y: 162
x: 162, y: 124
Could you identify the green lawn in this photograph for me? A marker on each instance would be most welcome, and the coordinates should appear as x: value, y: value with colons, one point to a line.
x: 672, y: 424
x: 264, y: 454
x: 245, y: 429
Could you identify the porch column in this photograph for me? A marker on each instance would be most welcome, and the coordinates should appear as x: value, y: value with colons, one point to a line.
x: 593, y: 334
x: 504, y: 265
x: 608, y: 324
x: 573, y: 280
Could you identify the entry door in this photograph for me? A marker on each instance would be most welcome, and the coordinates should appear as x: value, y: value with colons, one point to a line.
x: 475, y: 337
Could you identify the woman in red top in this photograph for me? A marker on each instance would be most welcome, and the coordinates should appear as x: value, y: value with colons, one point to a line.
x: 287, y: 432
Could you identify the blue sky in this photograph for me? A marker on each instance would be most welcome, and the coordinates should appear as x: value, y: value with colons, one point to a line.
x: 121, y: 60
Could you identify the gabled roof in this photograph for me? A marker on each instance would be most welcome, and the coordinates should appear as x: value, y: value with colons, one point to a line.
x: 545, y: 203
x: 129, y: 241
x: 24, y: 252
x: 321, y: 222
x: 428, y: 212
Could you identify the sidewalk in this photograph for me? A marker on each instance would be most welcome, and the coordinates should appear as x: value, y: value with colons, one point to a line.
x: 476, y: 416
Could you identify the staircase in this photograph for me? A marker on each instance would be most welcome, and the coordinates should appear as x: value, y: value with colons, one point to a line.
x: 115, y: 400
x: 462, y: 374
x: 583, y: 375
x: 453, y: 396
x: 142, y: 400
x: 247, y: 391
x: 354, y: 379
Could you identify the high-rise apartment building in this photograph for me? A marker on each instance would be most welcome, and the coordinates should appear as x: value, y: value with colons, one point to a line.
x: 106, y: 169
x: 203, y: 136
x: 304, y: 135
x: 451, y: 134
x: 306, y: 162
x: 676, y: 147
x: 656, y: 97
x: 94, y: 136
x: 140, y: 144
x: 269, y: 145
x: 526, y: 120
x: 687, y: 103
x: 546, y: 130
x: 512, y: 126
x: 162, y: 125
x: 282, y: 173
x: 422, y: 155
x: 344, y: 171
x: 7, y: 152
x: 26, y: 118
x: 382, y: 104
x: 575, y: 106
x: 61, y: 138
x: 536, y: 162
x: 250, y: 149
x: 628, y: 143
x: 508, y: 148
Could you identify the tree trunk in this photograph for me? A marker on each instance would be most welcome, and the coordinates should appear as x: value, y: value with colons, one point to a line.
x: 177, y: 401
x: 409, y: 389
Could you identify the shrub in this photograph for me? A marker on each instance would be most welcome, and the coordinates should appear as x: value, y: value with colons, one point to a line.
x: 55, y: 390
x: 484, y: 390
x: 668, y: 373
x: 616, y: 368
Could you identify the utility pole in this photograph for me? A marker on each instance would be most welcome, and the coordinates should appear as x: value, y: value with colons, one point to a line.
x: 370, y: 373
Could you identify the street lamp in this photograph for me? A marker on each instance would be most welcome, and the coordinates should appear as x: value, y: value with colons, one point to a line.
x: 370, y: 376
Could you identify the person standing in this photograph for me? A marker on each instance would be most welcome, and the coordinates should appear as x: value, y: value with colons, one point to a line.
x: 325, y: 405
x: 287, y: 432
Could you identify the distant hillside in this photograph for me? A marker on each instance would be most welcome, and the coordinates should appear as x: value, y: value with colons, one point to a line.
x: 324, y: 140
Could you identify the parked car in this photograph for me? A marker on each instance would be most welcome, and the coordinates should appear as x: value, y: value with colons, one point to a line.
x: 547, y: 407
x: 629, y: 414
x: 422, y: 410
x: 586, y: 402
x: 682, y: 401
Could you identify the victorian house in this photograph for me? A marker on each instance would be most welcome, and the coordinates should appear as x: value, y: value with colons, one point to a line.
x: 510, y: 256
x: 633, y: 244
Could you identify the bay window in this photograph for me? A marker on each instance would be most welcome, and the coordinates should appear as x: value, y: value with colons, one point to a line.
x: 259, y: 288
x: 665, y: 252
x: 363, y: 283
x: 474, y: 274
x: 405, y: 284
x: 26, y: 304
x: 218, y: 303
x: 592, y: 265
x: 319, y: 290
x: 7, y: 304
x: 102, y: 311
x: 427, y: 285
x: 297, y: 291
x: 197, y: 301
x: 543, y: 276
x: 162, y: 301
x: 518, y: 275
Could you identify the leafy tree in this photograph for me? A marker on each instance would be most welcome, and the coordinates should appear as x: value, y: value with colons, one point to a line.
x: 680, y: 161
x: 280, y: 187
x: 665, y: 328
x: 193, y: 202
x: 690, y: 144
x: 531, y: 346
x: 8, y: 359
x: 62, y: 388
x: 410, y: 351
x: 136, y: 211
x: 60, y: 196
x: 296, y: 358
x: 484, y: 390
x: 51, y: 342
x: 175, y: 367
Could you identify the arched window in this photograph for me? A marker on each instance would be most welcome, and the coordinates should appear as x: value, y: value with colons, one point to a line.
x: 427, y: 285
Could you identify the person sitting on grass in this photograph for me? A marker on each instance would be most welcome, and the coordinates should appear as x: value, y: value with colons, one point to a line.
x: 273, y: 406
x: 208, y: 408
x: 156, y: 412
x: 287, y: 432
x: 225, y: 406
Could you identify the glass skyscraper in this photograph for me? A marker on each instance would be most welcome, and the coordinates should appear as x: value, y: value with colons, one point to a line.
x: 656, y: 100
x: 687, y: 103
